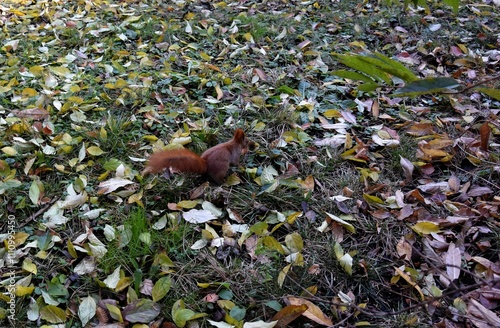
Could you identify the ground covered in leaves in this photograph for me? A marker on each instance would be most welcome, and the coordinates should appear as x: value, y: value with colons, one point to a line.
x: 360, y: 206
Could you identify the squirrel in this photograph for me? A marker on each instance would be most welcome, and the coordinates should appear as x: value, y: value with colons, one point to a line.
x: 214, y: 161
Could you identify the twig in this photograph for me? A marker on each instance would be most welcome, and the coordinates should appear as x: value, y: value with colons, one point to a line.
x: 472, y: 86
x: 40, y: 211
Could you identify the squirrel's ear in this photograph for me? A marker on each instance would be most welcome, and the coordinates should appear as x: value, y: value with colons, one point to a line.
x: 239, y: 135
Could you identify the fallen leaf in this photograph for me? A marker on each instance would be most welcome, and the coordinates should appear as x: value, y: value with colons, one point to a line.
x: 313, y: 312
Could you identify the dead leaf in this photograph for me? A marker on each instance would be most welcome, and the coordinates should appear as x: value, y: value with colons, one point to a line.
x: 288, y: 314
x: 313, y: 312
x: 453, y: 261
x: 481, y: 316
x: 484, y: 132
x: 408, y: 168
x: 404, y: 249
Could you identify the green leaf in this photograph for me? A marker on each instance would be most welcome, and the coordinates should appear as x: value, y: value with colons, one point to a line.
x: 352, y: 75
x: 285, y: 89
x: 426, y: 86
x: 226, y: 294
x: 114, y: 312
x: 275, y: 305
x: 493, y: 93
x: 356, y: 62
x: 338, y: 250
x: 368, y: 87
x: 34, y: 192
x: 395, y: 68
x: 238, y: 313
x: 161, y: 288
x: 453, y: 4
x: 52, y: 314
x: 259, y: 228
x: 87, y: 310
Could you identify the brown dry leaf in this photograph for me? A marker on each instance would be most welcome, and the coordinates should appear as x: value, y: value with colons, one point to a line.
x: 430, y: 154
x: 484, y: 132
x: 288, y: 314
x: 348, y: 116
x: 420, y: 129
x: 481, y: 316
x: 453, y: 261
x: 260, y: 73
x: 375, y: 109
x: 406, y: 211
x: 314, y: 269
x: 408, y: 168
x: 34, y: 113
x: 313, y: 312
x: 404, y: 249
x: 439, y: 143
x: 479, y: 191
x: 454, y: 183
x: 434, y: 187
x: 303, y: 44
x: 251, y: 246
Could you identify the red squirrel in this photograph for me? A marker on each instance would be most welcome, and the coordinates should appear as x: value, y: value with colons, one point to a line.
x: 214, y: 161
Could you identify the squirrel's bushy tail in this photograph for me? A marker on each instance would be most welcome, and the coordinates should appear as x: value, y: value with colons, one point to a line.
x: 175, y: 160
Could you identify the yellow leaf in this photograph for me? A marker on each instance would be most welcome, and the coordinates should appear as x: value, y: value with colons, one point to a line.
x: 123, y: 283
x: 29, y: 266
x: 34, y: 192
x: 187, y: 203
x: 36, y: 70
x: 292, y: 217
x: 115, y: 312
x: 29, y: 92
x: 373, y: 200
x: 9, y: 150
x: 408, y: 279
x: 150, y: 138
x: 248, y: 37
x: 19, y: 238
x: 273, y: 244
x: 60, y: 70
x: 5, y: 89
x: 425, y: 227
x: 282, y: 275
x: 205, y: 57
x: 23, y: 290
x: 72, y: 250
x: 294, y: 242
x: 121, y: 83
x: 95, y: 151
x: 346, y: 263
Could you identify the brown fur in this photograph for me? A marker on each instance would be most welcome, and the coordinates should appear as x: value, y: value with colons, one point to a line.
x: 214, y: 161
